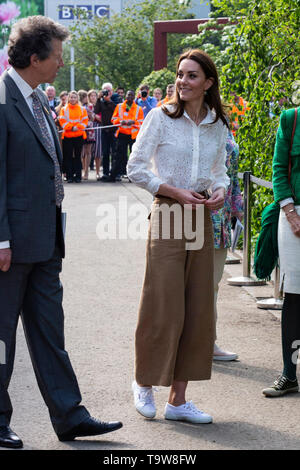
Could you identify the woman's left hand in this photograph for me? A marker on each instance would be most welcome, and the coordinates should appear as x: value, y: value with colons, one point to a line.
x: 216, y: 201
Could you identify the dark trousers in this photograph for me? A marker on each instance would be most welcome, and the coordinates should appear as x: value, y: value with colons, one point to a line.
x: 72, y: 147
x: 34, y: 292
x: 124, y: 142
x: 108, y: 150
x: 290, y: 334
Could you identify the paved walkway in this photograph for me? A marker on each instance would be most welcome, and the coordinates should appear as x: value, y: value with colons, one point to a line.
x: 102, y: 282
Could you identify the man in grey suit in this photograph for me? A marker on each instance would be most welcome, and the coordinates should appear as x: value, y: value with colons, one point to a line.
x: 31, y: 237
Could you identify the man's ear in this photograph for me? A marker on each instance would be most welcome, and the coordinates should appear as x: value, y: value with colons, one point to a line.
x: 34, y: 60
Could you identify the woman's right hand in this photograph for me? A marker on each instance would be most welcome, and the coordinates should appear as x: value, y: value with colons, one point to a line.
x: 294, y: 220
x: 185, y: 196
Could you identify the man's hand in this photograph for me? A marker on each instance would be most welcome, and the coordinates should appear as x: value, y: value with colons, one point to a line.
x: 5, y: 259
x: 216, y: 201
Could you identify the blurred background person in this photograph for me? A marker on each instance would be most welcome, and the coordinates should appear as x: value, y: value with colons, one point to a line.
x: 169, y: 94
x: 104, y: 109
x: 51, y: 95
x: 73, y: 136
x: 130, y: 117
x: 233, y: 207
x: 96, y: 146
x: 158, y: 94
x: 121, y: 92
x: 144, y: 100
x: 90, y: 134
x: 63, y: 101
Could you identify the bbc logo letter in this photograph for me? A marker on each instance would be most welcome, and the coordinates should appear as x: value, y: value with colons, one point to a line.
x: 2, y: 352
x: 67, y: 12
x: 102, y: 11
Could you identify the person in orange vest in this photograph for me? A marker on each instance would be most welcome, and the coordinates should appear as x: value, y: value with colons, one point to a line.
x: 169, y: 93
x: 129, y: 116
x: 238, y: 109
x: 73, y: 119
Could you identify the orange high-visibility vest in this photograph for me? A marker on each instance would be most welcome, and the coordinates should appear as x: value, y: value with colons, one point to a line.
x: 236, y: 111
x: 73, y: 116
x: 135, y: 113
x: 164, y: 101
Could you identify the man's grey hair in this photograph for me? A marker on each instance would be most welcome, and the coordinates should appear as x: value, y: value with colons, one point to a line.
x: 33, y: 35
x: 107, y: 85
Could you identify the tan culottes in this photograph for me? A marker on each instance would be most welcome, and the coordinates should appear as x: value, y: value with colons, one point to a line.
x: 176, y: 323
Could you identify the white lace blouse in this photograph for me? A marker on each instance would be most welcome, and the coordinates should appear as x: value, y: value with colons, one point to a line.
x: 179, y: 153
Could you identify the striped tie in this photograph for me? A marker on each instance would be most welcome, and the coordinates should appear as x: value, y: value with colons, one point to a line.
x: 40, y: 118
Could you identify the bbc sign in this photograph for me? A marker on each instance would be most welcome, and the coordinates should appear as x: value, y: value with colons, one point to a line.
x: 72, y: 12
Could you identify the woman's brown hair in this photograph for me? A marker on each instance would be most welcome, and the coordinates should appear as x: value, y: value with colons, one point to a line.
x: 212, y: 96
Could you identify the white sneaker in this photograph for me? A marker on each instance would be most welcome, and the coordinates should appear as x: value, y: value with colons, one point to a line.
x: 144, y: 400
x: 187, y: 412
x: 220, y: 355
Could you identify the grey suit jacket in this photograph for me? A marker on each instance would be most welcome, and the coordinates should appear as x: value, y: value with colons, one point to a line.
x: 28, y: 210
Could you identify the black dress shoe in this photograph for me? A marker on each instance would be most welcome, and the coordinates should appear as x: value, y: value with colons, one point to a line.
x: 107, y: 179
x: 9, y: 439
x: 90, y: 427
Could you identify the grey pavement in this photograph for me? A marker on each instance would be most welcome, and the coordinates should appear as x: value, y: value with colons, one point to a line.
x: 102, y: 283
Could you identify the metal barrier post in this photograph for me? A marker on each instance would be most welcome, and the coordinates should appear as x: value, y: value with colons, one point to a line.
x: 232, y: 259
x: 246, y: 279
x: 276, y: 302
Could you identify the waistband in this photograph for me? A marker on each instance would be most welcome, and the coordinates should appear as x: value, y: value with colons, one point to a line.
x: 204, y: 193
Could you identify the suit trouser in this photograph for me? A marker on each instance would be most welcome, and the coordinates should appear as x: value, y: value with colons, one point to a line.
x: 175, y: 331
x: 72, y: 147
x: 34, y: 291
x: 124, y: 142
x: 108, y: 149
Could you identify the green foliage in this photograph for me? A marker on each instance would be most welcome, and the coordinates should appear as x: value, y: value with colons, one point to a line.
x: 29, y: 7
x: 120, y: 49
x: 159, y: 79
x: 258, y: 57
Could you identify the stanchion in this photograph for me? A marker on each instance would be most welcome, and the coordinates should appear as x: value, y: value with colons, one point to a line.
x: 232, y: 259
x: 276, y: 302
x: 246, y: 279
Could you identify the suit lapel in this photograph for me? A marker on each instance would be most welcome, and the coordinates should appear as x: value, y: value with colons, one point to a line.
x: 25, y: 112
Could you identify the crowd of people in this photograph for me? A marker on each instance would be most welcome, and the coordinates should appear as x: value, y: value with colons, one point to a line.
x: 98, y: 128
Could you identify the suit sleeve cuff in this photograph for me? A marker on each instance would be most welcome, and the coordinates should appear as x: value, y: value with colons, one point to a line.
x: 4, y: 244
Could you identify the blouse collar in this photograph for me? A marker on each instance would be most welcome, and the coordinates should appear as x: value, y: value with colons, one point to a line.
x: 209, y: 118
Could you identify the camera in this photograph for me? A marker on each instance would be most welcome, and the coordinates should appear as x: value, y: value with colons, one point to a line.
x: 144, y: 94
x: 105, y: 93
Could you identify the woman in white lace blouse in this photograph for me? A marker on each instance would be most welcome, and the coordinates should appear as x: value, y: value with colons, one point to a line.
x: 178, y: 156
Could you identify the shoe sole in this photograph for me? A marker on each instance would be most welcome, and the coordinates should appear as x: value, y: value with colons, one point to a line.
x: 12, y: 446
x: 72, y: 437
x: 148, y: 417
x: 274, y: 394
x: 188, y: 420
x: 225, y: 358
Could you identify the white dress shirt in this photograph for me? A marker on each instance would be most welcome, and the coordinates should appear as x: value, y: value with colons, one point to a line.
x: 26, y: 91
x: 179, y: 152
